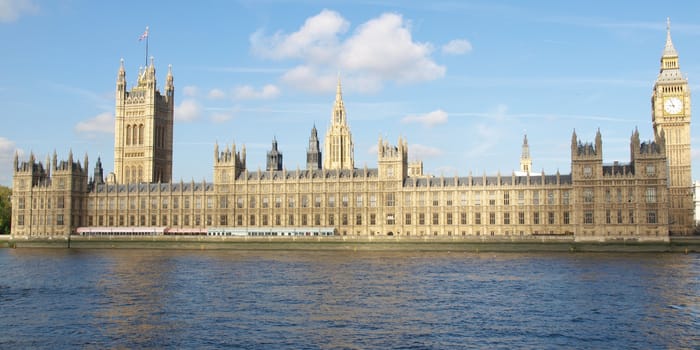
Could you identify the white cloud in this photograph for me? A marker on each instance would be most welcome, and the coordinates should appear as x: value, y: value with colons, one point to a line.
x: 101, y: 123
x: 430, y: 119
x: 314, y: 41
x: 247, y: 92
x: 11, y: 10
x: 216, y: 94
x: 379, y: 50
x: 187, y: 111
x: 420, y: 152
x: 383, y: 46
x: 190, y: 91
x: 221, y: 117
x: 7, y: 153
x: 457, y: 47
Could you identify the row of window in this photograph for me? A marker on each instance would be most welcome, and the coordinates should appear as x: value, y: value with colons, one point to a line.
x: 649, y: 195
x: 278, y: 201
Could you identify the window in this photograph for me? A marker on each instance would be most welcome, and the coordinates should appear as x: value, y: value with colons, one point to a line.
x: 567, y: 220
x: 59, y: 219
x: 210, y: 202
x: 618, y: 195
x: 163, y: 204
x: 587, y: 171
x: 477, y: 218
x: 278, y: 220
x: 588, y: 195
x: 317, y: 201
x: 344, y: 200
x: 153, y: 220
x: 358, y: 201
x: 291, y: 201
x: 436, y: 218
x: 550, y: 218
x: 448, y: 218
x: 317, y: 219
x: 608, y: 218
x: 550, y: 197
x: 608, y: 196
x: 506, y: 218
x: 421, y: 219
x: 536, y: 197
x: 463, y: 218
x: 448, y: 199
x: 477, y: 198
x: 278, y: 202
x: 372, y: 219
x: 290, y: 219
x: 251, y: 202
x: 372, y: 200
x: 331, y: 201
x: 619, y: 216
x: 265, y: 202
x: 651, y: 217
x: 651, y: 195
x: 331, y: 219
x: 390, y: 219
x: 651, y: 170
x: 304, y: 220
x: 492, y: 218
x: 506, y: 198
x: 521, y: 218
x: 565, y: 198
x: 536, y: 218
x: 389, y: 199
x: 463, y: 198
x: 588, y: 217
x: 264, y: 220
x: 407, y: 199
x: 408, y: 219
x: 521, y: 198
x: 358, y: 219
x: 435, y: 199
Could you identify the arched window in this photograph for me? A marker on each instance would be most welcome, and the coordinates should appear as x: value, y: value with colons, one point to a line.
x: 134, y: 135
x: 128, y: 135
x: 140, y: 179
x: 141, y: 134
x: 126, y: 174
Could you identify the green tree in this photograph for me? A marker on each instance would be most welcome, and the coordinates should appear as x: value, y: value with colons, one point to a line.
x: 5, y: 209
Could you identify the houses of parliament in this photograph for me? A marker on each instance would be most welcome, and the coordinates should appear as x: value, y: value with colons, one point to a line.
x: 645, y: 199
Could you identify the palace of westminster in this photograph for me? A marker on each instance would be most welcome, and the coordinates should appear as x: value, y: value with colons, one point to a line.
x: 647, y: 198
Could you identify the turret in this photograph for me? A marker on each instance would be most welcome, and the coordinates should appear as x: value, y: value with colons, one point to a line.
x: 169, y: 85
x: 313, y: 153
x: 274, y: 157
x: 98, y: 173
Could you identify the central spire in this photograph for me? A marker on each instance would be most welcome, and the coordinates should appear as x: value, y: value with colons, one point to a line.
x: 338, y: 146
x: 338, y: 116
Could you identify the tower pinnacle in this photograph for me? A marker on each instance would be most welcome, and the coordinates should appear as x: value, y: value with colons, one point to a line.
x: 669, y: 50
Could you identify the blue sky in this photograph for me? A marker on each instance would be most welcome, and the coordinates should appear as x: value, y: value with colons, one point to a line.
x: 461, y: 80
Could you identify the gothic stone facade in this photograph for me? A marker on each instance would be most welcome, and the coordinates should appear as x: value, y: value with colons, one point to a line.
x: 595, y: 201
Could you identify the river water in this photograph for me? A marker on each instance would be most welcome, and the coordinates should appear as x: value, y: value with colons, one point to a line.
x: 351, y: 300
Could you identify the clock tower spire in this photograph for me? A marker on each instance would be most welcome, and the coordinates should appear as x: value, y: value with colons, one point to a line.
x: 670, y: 103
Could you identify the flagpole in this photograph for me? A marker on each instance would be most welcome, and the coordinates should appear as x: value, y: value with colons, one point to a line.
x: 146, y: 46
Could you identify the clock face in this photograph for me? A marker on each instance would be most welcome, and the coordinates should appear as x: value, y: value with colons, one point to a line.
x: 673, y: 105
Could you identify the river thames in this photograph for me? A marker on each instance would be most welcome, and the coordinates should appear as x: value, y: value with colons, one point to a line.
x: 61, y: 298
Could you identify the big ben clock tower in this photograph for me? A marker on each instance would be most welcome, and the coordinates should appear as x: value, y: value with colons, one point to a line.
x: 671, y: 120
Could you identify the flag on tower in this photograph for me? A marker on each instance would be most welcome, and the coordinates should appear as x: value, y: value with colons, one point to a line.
x: 144, y: 35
